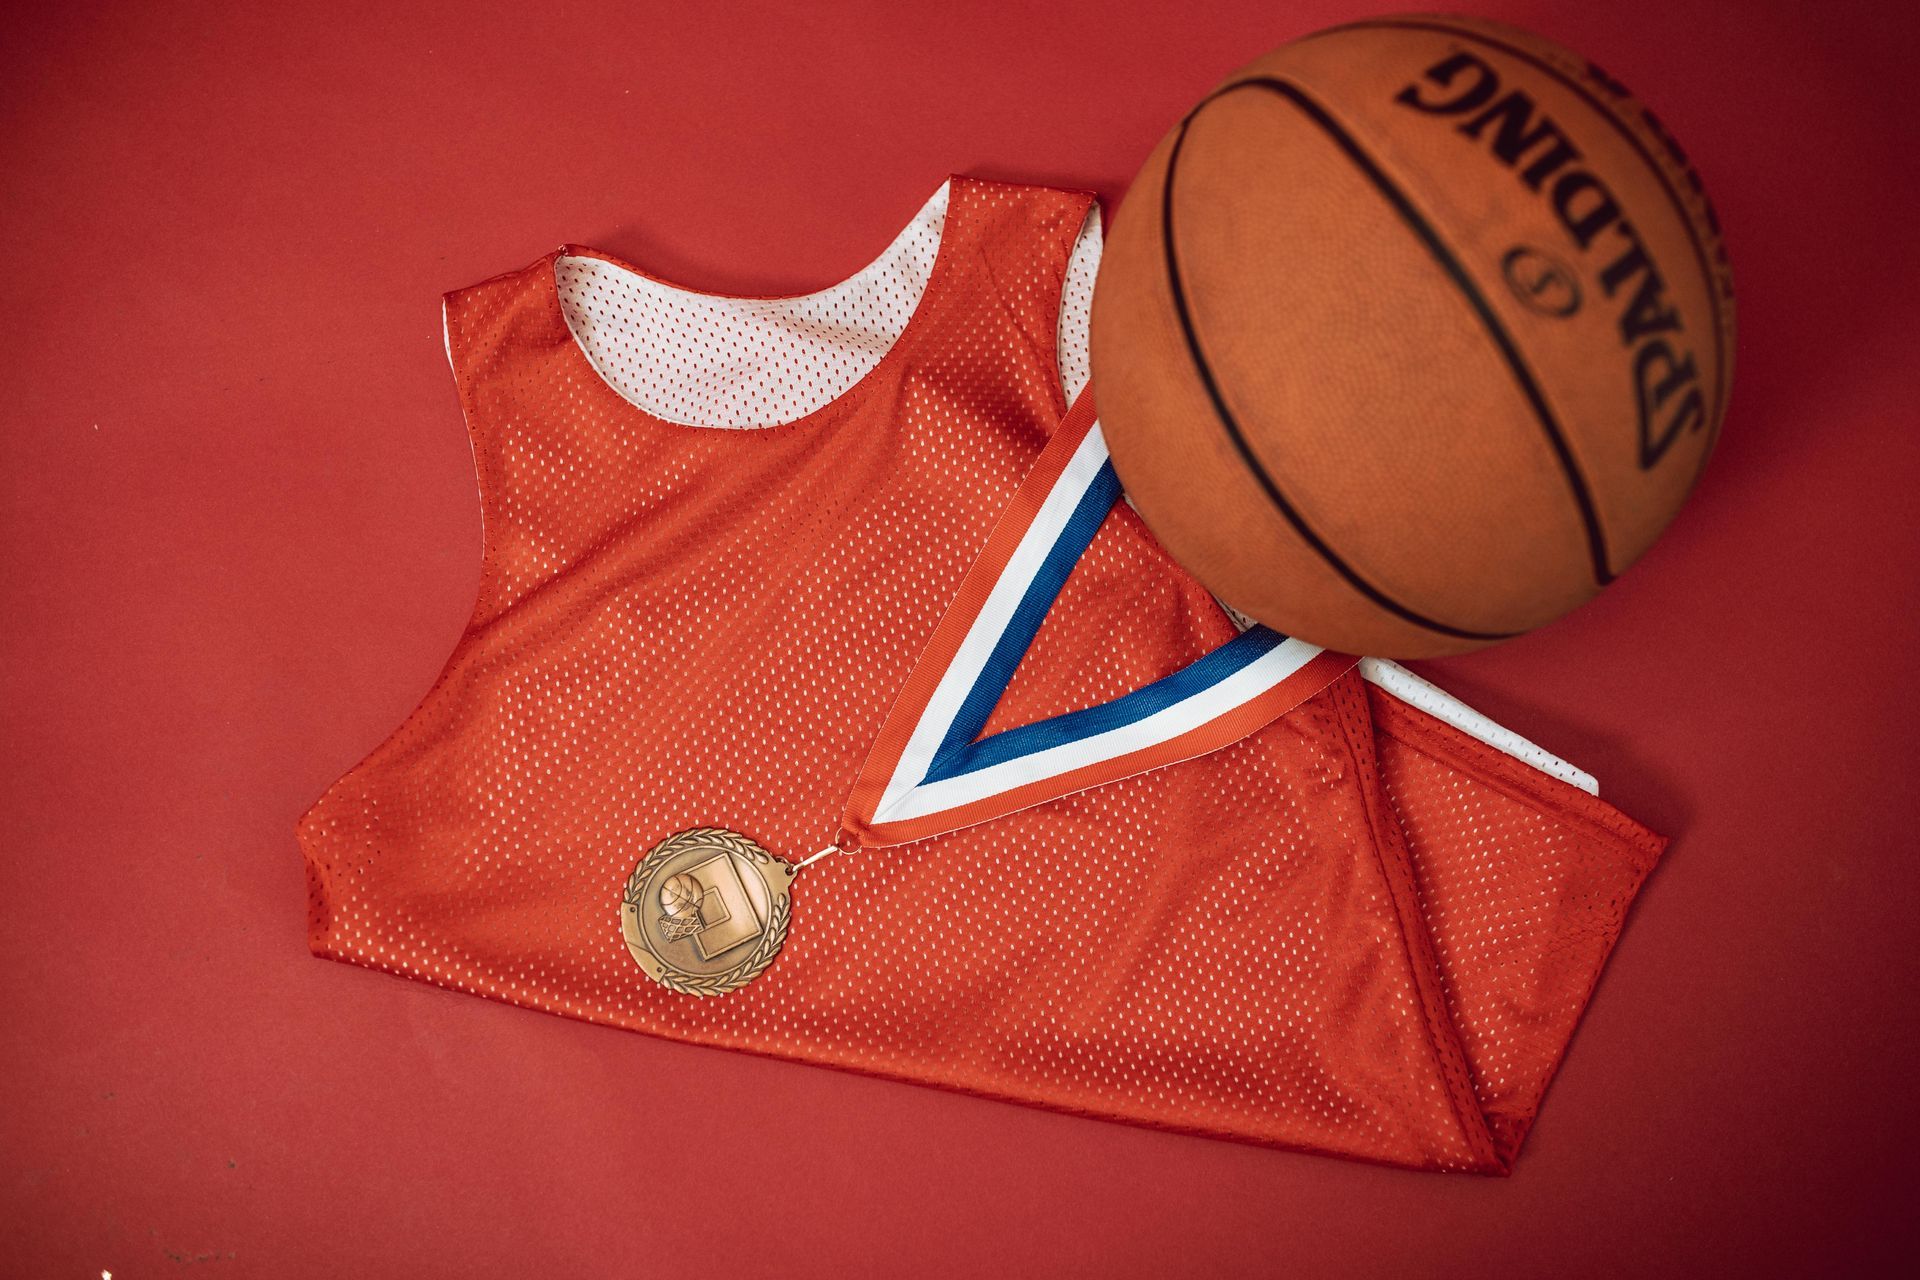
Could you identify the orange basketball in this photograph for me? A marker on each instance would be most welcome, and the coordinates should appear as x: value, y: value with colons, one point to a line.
x: 1413, y: 335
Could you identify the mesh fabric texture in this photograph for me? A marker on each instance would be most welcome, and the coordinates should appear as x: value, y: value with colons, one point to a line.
x: 1358, y: 931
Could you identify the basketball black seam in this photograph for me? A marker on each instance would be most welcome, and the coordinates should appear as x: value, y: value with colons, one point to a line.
x: 1509, y: 350
x: 1239, y: 440
x: 1660, y: 175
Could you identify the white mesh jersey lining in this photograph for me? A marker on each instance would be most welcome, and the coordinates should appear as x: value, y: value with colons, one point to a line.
x: 741, y: 363
x: 1076, y: 307
x: 702, y: 360
x: 1441, y: 705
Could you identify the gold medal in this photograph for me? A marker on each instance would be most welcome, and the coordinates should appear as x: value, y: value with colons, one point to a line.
x: 706, y: 910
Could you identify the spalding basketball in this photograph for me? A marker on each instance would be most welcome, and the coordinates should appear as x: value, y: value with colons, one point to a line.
x: 1412, y: 335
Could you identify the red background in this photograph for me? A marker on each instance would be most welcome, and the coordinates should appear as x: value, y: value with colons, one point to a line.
x: 240, y: 535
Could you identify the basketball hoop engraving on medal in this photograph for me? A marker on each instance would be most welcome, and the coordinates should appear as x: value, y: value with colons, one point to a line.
x: 705, y: 912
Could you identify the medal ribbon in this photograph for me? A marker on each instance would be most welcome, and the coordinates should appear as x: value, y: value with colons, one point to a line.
x: 929, y: 771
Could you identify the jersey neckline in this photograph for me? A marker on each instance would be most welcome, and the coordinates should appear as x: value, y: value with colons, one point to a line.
x: 604, y: 390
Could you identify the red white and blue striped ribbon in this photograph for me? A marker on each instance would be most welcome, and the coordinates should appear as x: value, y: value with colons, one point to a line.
x: 930, y: 772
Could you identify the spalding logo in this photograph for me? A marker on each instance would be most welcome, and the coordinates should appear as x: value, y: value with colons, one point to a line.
x: 1665, y: 377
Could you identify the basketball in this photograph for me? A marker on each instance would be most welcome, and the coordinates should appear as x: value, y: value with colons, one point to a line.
x: 1413, y: 335
x: 681, y: 895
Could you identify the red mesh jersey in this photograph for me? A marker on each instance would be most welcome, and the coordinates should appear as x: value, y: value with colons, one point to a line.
x: 1359, y: 931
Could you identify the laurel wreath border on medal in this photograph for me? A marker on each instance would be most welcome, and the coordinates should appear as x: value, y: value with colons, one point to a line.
x: 717, y: 984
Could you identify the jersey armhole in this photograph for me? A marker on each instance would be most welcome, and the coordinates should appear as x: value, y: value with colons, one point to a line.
x: 1073, y: 355
x: 315, y: 833
x: 485, y: 590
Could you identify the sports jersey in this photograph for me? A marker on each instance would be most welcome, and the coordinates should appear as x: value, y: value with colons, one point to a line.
x: 718, y: 534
